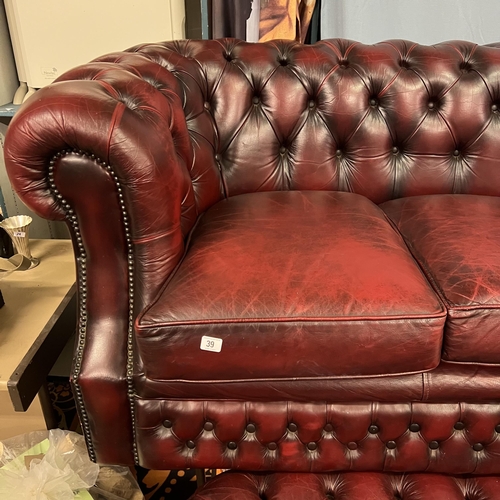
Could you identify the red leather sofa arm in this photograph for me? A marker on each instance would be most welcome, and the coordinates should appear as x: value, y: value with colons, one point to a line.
x: 114, y: 113
x: 101, y: 150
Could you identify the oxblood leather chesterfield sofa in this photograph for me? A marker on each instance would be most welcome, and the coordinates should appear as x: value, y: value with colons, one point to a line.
x: 328, y: 215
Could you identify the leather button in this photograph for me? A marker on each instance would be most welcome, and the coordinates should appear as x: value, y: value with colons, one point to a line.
x: 208, y: 426
x: 456, y: 152
x: 312, y: 104
x: 497, y: 428
x: 374, y: 429
x: 414, y: 428
x: 312, y: 446
x: 338, y: 153
x: 292, y: 427
x: 373, y: 102
x: 232, y: 445
x: 167, y: 424
x: 272, y: 446
x: 433, y: 445
x: 217, y: 157
x: 251, y: 428
x: 494, y: 107
x: 352, y: 445
x: 206, y: 105
x: 282, y: 150
x: 431, y: 104
x: 459, y: 426
x: 190, y: 444
x: 395, y: 150
x: 478, y: 447
x: 328, y: 428
x: 255, y: 99
x: 391, y: 445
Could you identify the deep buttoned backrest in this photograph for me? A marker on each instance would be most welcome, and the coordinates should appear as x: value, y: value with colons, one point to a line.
x: 388, y: 120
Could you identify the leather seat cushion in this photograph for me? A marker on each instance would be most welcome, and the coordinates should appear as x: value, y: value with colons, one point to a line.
x: 456, y: 240
x: 295, y: 284
x: 348, y: 486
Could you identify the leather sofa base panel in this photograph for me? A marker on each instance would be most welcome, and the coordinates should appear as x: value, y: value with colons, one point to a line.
x: 348, y: 486
x: 448, y: 383
x: 318, y: 437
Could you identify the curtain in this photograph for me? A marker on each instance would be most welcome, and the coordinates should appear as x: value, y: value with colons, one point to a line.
x: 422, y: 21
x: 288, y: 19
x: 229, y: 18
x: 314, y: 32
x: 253, y: 22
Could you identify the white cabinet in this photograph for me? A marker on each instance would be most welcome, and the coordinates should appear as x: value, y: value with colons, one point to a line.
x: 51, y: 36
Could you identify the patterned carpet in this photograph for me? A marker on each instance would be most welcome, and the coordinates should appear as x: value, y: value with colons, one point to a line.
x: 156, y: 485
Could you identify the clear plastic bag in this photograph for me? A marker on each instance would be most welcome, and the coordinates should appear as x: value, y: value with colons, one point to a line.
x: 54, y: 465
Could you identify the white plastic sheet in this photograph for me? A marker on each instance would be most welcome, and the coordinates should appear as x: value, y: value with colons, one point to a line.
x: 54, y: 465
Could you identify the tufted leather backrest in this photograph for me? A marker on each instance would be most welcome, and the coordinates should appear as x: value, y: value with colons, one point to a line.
x: 387, y: 120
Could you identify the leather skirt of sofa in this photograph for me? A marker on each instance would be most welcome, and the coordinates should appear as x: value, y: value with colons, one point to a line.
x: 455, y: 438
x: 449, y: 382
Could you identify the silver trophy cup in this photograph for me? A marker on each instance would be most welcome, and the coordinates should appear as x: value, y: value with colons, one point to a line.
x: 17, y: 227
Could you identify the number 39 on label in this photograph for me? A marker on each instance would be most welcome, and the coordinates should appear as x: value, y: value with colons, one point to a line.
x: 210, y: 344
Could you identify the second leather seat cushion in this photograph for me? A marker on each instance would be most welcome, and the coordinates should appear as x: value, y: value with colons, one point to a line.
x: 295, y: 284
x: 456, y: 239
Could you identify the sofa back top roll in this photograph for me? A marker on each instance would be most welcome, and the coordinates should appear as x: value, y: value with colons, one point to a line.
x: 387, y: 120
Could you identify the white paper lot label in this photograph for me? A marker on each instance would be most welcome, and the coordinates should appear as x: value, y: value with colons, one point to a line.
x: 210, y: 344
x: 19, y: 234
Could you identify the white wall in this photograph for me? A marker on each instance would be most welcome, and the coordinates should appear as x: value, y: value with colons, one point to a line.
x: 8, y: 73
x: 422, y: 21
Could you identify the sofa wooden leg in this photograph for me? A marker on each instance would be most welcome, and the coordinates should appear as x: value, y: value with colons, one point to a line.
x: 200, y: 477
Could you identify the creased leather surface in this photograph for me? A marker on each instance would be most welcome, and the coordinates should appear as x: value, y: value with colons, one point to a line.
x: 448, y: 383
x: 311, y: 283
x: 316, y: 437
x: 103, y: 375
x: 456, y: 239
x: 348, y: 486
x: 380, y: 120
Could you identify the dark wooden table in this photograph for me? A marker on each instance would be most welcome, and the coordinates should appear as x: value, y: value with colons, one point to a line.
x: 35, y: 324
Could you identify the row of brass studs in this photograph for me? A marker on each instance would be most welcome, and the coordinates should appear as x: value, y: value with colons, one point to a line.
x: 82, y: 289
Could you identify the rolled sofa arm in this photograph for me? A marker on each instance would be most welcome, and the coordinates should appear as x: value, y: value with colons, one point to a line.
x: 107, y: 150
